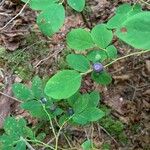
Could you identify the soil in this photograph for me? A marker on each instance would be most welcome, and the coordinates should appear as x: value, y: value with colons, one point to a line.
x: 128, y: 96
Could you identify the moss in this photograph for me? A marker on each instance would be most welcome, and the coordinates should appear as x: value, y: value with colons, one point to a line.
x: 20, y: 61
x: 114, y: 126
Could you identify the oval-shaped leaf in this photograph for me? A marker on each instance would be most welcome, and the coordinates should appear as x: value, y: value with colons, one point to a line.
x: 78, y: 62
x: 97, y: 55
x: 111, y: 52
x: 22, y: 92
x: 101, y: 35
x: 93, y: 114
x: 40, y: 5
x: 123, y: 12
x: 135, y: 31
x: 102, y: 78
x: 88, y: 115
x: 77, y: 5
x: 81, y: 103
x: 124, y: 9
x: 94, y: 99
x: 35, y: 108
x: 63, y: 84
x: 51, y: 19
x: 79, y: 39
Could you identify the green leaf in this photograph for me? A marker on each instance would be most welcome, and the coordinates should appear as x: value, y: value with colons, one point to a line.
x: 97, y: 55
x: 102, y: 78
x: 116, y: 21
x: 40, y: 5
x: 35, y: 108
x: 8, y: 141
x: 81, y: 103
x: 78, y: 62
x: 29, y: 133
x: 41, y: 136
x: 111, y: 52
x: 77, y: 5
x: 13, y: 126
x: 62, y: 119
x: 124, y: 8
x: 71, y: 100
x: 63, y: 84
x: 135, y: 31
x: 37, y: 87
x: 57, y: 112
x: 101, y: 35
x: 21, y: 145
x: 123, y: 12
x: 87, y: 145
x: 88, y: 115
x: 94, y: 99
x: 93, y: 114
x: 15, y: 132
x: 51, y: 19
x: 79, y: 39
x: 22, y: 92
x: 80, y: 119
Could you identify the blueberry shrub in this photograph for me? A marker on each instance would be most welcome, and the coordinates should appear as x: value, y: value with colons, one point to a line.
x: 59, y: 100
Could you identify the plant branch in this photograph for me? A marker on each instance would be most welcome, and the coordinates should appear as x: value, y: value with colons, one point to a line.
x: 126, y: 56
x: 59, y: 131
x: 118, y: 59
x: 28, y: 144
x: 50, y: 120
x: 40, y: 142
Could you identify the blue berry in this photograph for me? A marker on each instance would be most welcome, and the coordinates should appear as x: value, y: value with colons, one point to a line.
x: 98, y: 67
x: 70, y: 111
x: 43, y: 100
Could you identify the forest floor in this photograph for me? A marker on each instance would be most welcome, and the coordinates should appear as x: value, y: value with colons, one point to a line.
x: 25, y: 52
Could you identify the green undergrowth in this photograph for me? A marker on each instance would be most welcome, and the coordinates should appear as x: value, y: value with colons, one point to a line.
x: 20, y: 61
x: 113, y: 126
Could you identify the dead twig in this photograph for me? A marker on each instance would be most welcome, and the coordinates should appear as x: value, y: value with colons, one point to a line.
x: 13, y: 98
x: 55, y: 53
x: 15, y: 16
x: 108, y: 133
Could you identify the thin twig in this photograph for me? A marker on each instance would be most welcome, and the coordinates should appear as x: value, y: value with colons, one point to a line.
x: 126, y: 56
x: 145, y: 2
x: 47, y: 58
x: 5, y: 14
x: 15, y: 16
x: 109, y: 134
x: 2, y: 2
x: 41, y: 143
x: 13, y: 98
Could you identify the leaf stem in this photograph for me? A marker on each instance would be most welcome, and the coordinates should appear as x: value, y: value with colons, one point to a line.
x: 59, y: 131
x: 118, y: 59
x: 40, y: 142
